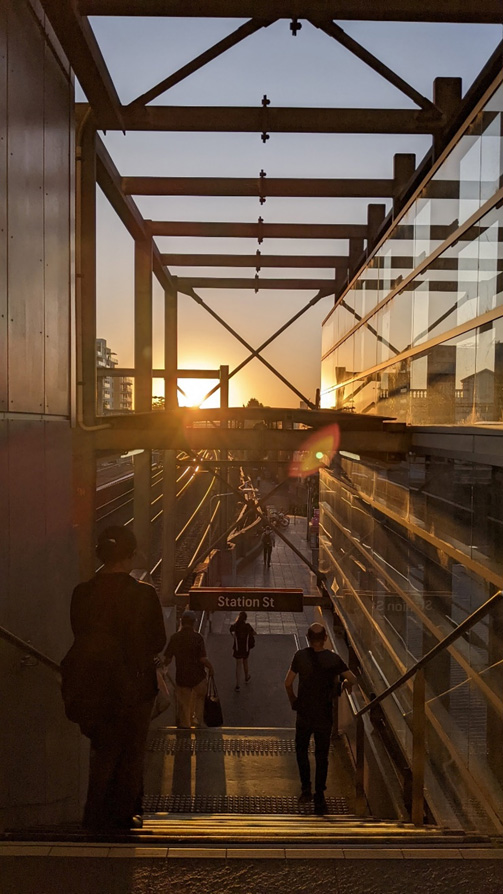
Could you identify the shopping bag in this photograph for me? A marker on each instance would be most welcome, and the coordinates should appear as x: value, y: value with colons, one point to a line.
x: 212, y: 708
x: 163, y: 697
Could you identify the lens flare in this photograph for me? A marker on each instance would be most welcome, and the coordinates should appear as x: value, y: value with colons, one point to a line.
x: 316, y: 452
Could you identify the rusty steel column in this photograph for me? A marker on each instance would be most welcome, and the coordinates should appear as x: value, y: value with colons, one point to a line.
x: 143, y: 390
x: 168, y: 547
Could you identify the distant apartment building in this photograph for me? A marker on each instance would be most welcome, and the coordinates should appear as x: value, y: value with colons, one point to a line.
x: 114, y: 393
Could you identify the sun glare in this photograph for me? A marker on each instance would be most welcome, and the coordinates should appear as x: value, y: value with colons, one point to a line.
x: 192, y: 391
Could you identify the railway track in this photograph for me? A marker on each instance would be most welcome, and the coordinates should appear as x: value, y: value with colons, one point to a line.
x: 115, y: 501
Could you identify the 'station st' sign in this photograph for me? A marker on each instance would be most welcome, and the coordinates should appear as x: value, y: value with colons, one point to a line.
x: 223, y: 599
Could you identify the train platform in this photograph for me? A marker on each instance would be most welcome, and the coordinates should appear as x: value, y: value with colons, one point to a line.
x: 249, y: 765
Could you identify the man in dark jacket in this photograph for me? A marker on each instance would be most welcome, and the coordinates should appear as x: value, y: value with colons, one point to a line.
x: 319, y: 670
x: 119, y: 629
x: 189, y: 651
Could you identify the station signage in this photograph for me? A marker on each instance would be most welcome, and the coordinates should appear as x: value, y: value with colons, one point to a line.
x: 224, y: 599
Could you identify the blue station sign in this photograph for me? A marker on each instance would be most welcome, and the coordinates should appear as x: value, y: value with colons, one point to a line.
x: 224, y: 599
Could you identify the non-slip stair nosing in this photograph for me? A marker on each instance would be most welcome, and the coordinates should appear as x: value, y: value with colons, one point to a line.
x: 246, y: 852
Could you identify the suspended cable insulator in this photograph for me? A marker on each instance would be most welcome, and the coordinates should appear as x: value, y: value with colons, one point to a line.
x: 265, y: 102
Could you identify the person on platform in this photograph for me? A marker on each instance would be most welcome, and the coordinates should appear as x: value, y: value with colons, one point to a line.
x: 318, y: 670
x: 267, y: 545
x: 123, y: 617
x: 244, y: 640
x: 188, y: 649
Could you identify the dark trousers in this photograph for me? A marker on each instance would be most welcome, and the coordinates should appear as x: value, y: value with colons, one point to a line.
x: 116, y: 769
x: 304, y: 731
x: 267, y: 553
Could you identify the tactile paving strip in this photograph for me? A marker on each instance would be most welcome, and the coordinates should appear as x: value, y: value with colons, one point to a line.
x: 228, y: 804
x: 171, y: 744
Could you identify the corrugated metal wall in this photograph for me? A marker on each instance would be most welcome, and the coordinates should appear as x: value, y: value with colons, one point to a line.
x: 39, y: 749
x: 35, y: 169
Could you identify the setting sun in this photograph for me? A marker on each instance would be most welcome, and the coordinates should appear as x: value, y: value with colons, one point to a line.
x: 192, y: 391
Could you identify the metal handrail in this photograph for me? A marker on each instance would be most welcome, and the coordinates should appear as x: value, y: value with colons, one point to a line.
x: 31, y: 650
x: 440, y: 646
x: 418, y: 715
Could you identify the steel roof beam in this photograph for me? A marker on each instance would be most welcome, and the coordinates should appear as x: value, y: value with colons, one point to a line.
x: 81, y: 47
x: 108, y: 179
x: 373, y: 62
x: 208, y: 282
x: 222, y: 46
x: 267, y: 187
x: 330, y: 262
x: 233, y: 119
x: 484, y: 11
x: 257, y: 230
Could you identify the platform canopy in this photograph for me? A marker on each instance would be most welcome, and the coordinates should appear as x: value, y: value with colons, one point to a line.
x: 315, y: 273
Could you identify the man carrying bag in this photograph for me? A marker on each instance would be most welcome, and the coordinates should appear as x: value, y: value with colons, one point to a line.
x: 188, y: 649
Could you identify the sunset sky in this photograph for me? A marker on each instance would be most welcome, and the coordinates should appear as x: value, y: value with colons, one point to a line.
x: 308, y: 70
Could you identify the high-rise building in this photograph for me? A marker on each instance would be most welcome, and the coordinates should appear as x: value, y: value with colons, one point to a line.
x: 114, y: 393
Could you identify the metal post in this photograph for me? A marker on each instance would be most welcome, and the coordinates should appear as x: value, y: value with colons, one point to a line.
x: 360, y: 802
x: 170, y: 350
x: 375, y: 217
x: 168, y: 549
x: 404, y: 165
x: 418, y: 748
x: 447, y: 96
x: 143, y: 389
x: 86, y: 272
x: 168, y: 527
x: 355, y: 253
x: 308, y: 506
x: 84, y: 502
x: 224, y: 454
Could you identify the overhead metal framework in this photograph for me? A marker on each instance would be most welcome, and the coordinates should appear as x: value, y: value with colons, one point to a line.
x: 326, y: 272
x: 435, y: 117
x: 485, y: 11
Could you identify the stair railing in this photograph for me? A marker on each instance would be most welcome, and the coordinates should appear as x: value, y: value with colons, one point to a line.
x: 29, y: 650
x: 418, y: 714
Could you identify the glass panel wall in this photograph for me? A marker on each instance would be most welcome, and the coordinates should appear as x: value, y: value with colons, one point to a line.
x: 457, y: 294
x: 399, y: 594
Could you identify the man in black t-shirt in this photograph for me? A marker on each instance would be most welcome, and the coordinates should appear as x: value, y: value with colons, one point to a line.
x: 319, y: 670
x: 189, y: 651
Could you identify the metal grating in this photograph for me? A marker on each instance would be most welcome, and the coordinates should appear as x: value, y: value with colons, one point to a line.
x: 245, y: 805
x: 239, y: 746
